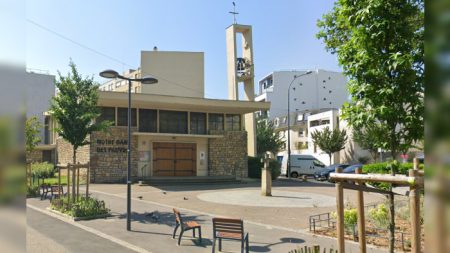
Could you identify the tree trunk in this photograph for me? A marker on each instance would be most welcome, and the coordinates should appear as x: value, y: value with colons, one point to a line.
x: 330, y: 157
x: 392, y: 206
x: 73, y: 173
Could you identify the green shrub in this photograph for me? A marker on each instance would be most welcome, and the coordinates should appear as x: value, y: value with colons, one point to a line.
x: 42, y: 170
x: 275, y: 168
x: 255, y: 165
x: 385, y: 168
x: 32, y: 191
x: 380, y: 216
x: 350, y: 218
x: 84, y: 207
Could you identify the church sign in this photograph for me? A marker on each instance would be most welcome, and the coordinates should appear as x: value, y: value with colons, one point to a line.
x: 111, y: 146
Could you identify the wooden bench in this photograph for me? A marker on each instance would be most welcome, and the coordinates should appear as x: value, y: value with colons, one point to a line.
x: 231, y: 229
x: 45, y: 188
x: 55, y: 193
x: 185, y: 226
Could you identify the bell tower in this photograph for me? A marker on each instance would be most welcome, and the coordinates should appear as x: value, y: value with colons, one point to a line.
x: 240, y: 70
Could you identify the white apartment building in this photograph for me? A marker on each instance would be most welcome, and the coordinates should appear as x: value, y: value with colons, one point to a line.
x: 322, y: 89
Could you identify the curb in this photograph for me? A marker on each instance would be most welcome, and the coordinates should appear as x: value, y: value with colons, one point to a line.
x: 90, y: 230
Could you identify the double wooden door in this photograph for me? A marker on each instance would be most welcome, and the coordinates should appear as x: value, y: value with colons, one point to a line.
x: 174, y: 159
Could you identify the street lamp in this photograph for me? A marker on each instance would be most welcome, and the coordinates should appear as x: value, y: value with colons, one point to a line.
x: 289, y: 122
x: 112, y: 74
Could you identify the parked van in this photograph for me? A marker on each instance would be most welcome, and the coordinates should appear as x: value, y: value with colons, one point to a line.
x: 301, y: 165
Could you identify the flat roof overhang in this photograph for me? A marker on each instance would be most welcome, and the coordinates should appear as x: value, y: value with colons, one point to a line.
x: 165, y: 102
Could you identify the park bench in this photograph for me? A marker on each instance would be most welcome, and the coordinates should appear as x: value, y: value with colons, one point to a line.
x: 231, y: 229
x: 55, y: 194
x: 185, y: 226
x: 45, y: 188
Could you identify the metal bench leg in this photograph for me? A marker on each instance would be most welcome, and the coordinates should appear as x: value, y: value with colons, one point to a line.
x: 181, y: 235
x: 220, y: 244
x: 214, y: 245
x: 175, y: 231
x: 247, y: 250
x: 200, y: 234
x: 193, y: 232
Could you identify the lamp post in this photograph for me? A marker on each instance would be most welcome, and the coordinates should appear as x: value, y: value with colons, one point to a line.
x: 112, y: 74
x: 289, y: 122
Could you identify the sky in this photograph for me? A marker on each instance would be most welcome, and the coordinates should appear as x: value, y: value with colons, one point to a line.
x: 109, y: 34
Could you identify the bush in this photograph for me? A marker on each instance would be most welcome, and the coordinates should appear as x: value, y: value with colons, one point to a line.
x: 385, y: 168
x: 275, y: 168
x: 32, y: 191
x: 350, y: 218
x: 42, y: 170
x: 255, y: 165
x: 84, y: 207
x: 380, y: 216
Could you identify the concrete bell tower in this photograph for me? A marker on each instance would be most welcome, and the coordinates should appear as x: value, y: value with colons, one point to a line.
x: 240, y: 70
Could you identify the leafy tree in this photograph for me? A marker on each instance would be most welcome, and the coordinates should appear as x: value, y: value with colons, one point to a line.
x: 266, y: 138
x: 330, y: 141
x: 370, y: 138
x: 380, y: 46
x: 32, y: 137
x: 75, y: 109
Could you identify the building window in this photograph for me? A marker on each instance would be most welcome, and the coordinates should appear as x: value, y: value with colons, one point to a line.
x: 233, y: 122
x: 301, y: 133
x: 47, y: 130
x: 122, y: 117
x: 107, y: 114
x: 215, y: 121
x: 147, y: 120
x: 198, y: 123
x: 173, y: 122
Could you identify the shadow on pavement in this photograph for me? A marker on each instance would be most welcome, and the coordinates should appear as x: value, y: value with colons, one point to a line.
x: 267, y: 247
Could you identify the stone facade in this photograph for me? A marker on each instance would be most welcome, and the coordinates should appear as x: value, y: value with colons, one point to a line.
x: 37, y: 156
x: 108, y: 152
x: 65, y: 152
x: 228, y: 155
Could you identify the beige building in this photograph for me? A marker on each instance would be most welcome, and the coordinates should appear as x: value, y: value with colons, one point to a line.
x: 176, y: 132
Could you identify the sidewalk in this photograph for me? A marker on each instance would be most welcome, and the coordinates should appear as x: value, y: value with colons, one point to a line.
x: 148, y: 236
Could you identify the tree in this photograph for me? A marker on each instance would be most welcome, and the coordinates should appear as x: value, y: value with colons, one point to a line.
x: 32, y: 130
x: 75, y: 109
x: 330, y: 141
x: 266, y: 138
x: 380, y: 46
x: 370, y: 138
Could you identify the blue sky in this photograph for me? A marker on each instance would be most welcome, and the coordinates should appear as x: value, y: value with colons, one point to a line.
x: 283, y: 34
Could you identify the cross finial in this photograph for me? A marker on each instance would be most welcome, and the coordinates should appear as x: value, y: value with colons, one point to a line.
x: 234, y: 12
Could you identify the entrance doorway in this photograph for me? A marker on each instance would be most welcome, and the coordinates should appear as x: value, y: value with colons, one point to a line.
x: 174, y: 159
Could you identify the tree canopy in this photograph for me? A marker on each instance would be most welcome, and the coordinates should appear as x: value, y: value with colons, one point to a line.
x: 75, y: 108
x: 266, y: 138
x: 32, y: 130
x: 330, y: 141
x: 380, y: 46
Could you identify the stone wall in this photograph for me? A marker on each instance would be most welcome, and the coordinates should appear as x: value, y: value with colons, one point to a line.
x: 64, y: 152
x: 228, y: 155
x: 34, y: 156
x: 108, y: 151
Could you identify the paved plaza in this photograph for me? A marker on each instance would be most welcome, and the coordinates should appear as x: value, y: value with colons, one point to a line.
x: 272, y: 227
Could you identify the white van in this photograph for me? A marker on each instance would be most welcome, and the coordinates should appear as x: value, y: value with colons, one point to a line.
x: 301, y: 165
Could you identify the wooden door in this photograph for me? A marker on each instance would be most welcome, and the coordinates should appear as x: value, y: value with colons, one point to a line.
x: 174, y: 159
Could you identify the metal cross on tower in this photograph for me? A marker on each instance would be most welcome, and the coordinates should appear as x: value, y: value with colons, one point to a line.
x: 234, y: 12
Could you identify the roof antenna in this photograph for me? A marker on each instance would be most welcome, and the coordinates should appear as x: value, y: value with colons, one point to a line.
x: 234, y: 12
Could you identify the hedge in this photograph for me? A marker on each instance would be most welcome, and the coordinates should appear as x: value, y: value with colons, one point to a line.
x: 255, y: 165
x: 384, y: 168
x: 42, y: 170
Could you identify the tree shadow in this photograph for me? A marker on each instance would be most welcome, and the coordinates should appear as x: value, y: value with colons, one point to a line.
x: 267, y: 247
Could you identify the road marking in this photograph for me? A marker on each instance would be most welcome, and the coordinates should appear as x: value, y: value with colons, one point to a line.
x: 91, y: 230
